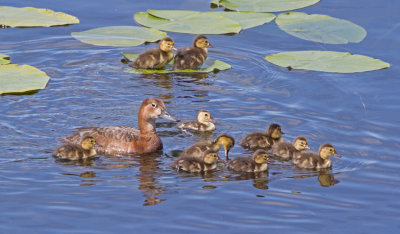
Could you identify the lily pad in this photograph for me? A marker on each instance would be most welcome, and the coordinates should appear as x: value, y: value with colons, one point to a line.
x: 119, y: 36
x: 247, y: 19
x: 193, y: 22
x: 326, y: 61
x: 16, y: 78
x: 4, y: 59
x: 264, y: 5
x: 210, y: 65
x: 34, y: 17
x: 320, y: 28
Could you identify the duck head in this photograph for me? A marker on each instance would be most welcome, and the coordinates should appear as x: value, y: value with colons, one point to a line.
x: 227, y: 142
x: 167, y: 44
x: 327, y: 150
x: 202, y: 42
x: 260, y: 156
x: 150, y: 110
x: 210, y: 157
x: 204, y: 116
x: 300, y: 143
x: 274, y: 131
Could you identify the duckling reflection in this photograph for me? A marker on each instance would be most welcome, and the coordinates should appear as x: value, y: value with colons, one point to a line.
x: 326, y: 178
x: 261, y: 140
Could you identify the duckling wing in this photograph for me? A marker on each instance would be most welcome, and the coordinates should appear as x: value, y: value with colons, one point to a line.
x: 120, y: 133
x: 256, y: 140
x: 189, y: 58
x: 197, y: 149
x: 306, y: 160
x: 242, y: 164
x: 69, y: 151
x: 283, y: 149
x: 193, y: 125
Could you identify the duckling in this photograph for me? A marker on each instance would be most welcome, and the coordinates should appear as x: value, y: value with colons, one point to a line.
x: 199, y: 148
x: 156, y: 58
x: 77, y: 152
x: 202, y: 124
x: 286, y: 150
x: 318, y: 160
x: 256, y: 163
x: 207, y: 162
x: 193, y: 57
x: 257, y: 140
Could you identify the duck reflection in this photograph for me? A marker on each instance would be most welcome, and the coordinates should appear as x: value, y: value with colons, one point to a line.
x: 260, y: 179
x: 325, y: 177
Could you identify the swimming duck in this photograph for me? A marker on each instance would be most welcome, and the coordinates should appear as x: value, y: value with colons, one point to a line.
x: 255, y: 163
x: 198, y: 149
x: 261, y: 140
x: 207, y: 162
x: 156, y: 58
x: 286, y: 150
x: 77, y: 152
x: 193, y: 57
x: 318, y: 160
x: 202, y: 124
x: 128, y: 140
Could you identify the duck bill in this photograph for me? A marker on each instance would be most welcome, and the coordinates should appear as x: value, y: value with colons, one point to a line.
x: 210, y: 46
x: 213, y: 120
x: 166, y: 115
x: 174, y: 48
x: 307, y: 147
x: 226, y: 154
x: 98, y: 144
x: 337, y: 155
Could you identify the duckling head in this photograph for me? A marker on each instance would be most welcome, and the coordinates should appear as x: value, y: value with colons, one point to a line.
x: 327, y: 150
x: 300, y: 143
x: 88, y: 143
x: 227, y: 142
x: 152, y: 109
x: 167, y: 44
x: 274, y: 130
x: 204, y: 117
x: 260, y: 156
x: 202, y: 42
x: 210, y: 157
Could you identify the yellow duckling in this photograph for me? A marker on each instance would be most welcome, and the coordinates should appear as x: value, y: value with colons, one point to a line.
x: 207, y: 162
x: 198, y: 149
x: 261, y: 140
x: 77, y: 152
x: 312, y: 160
x: 286, y: 150
x: 255, y: 163
x: 193, y: 57
x: 203, y: 123
x: 156, y: 58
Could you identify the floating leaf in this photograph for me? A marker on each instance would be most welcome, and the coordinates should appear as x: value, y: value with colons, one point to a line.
x: 119, y: 36
x: 210, y: 65
x: 247, y: 19
x: 320, y: 28
x: 4, y: 59
x: 327, y: 61
x: 16, y: 78
x: 264, y: 5
x: 193, y: 22
x: 34, y: 17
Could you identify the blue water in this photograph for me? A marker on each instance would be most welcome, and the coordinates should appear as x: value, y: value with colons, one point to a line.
x: 358, y: 113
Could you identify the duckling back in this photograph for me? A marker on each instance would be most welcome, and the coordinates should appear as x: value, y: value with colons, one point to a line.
x: 192, y: 164
x: 73, y: 152
x: 257, y: 140
x: 284, y: 150
x: 153, y: 59
x: 190, y: 58
x: 310, y: 160
x: 196, y: 126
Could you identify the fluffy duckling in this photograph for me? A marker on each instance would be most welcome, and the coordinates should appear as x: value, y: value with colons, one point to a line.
x: 256, y: 163
x: 198, y: 149
x: 312, y: 160
x: 77, y: 152
x: 286, y: 150
x: 156, y: 58
x: 202, y: 124
x: 207, y: 162
x: 193, y: 57
x: 261, y: 140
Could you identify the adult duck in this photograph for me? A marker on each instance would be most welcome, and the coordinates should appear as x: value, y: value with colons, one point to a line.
x: 310, y: 160
x: 128, y: 140
x: 156, y: 58
x: 262, y: 140
x: 193, y: 57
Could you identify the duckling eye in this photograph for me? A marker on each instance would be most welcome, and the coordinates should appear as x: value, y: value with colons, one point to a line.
x: 205, y: 114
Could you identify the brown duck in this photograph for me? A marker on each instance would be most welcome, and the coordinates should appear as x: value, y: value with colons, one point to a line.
x: 193, y: 57
x: 156, y: 58
x: 318, y: 160
x: 256, y: 163
x: 261, y: 140
x: 128, y: 140
x: 77, y: 152
x: 203, y: 123
x: 207, y: 162
x: 286, y: 150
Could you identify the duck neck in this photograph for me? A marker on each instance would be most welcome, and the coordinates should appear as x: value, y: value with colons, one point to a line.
x: 147, y: 126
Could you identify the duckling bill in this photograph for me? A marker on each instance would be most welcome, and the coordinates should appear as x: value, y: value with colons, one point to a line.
x: 156, y: 58
x: 193, y: 57
x: 77, y: 152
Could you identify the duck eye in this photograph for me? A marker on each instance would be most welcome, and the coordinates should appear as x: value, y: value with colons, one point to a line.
x: 153, y: 105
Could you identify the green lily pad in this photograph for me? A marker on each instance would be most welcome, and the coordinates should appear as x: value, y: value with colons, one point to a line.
x: 320, y: 28
x: 193, y: 22
x: 119, y: 36
x: 264, y: 5
x: 247, y: 19
x: 16, y: 78
x: 210, y: 65
x: 4, y: 59
x: 326, y: 61
x: 34, y: 17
